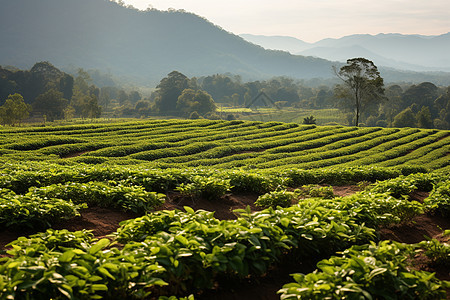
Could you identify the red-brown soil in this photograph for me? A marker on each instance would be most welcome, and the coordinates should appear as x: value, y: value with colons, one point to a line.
x: 104, y: 221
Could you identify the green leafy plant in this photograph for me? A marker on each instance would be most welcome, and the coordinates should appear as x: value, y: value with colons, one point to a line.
x: 34, y: 211
x: 62, y: 264
x: 373, y: 271
x: 438, y: 252
x: 210, y: 188
x: 439, y: 200
x: 276, y: 198
x: 313, y: 190
x: 112, y: 194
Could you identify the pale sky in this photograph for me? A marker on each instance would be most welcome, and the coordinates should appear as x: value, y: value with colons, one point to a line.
x: 313, y: 20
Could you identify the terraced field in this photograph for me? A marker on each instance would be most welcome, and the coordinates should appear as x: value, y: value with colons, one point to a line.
x: 201, y: 209
x: 227, y: 144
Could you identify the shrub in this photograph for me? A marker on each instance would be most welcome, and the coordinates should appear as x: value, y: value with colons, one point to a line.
x: 276, y: 198
x: 373, y: 271
x: 439, y: 200
x: 312, y: 190
x: 210, y: 188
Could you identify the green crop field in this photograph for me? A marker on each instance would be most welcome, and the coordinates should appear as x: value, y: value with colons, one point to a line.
x: 227, y: 144
x: 322, y: 116
x: 50, y: 175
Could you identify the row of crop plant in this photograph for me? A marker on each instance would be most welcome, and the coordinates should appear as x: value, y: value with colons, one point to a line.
x: 178, y: 253
x: 184, y: 143
x: 32, y: 193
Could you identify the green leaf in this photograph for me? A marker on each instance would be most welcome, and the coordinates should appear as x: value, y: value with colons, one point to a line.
x: 103, y: 243
x: 67, y: 256
x: 13, y: 265
x: 105, y: 272
x: 65, y: 292
x: 255, y: 230
x: 307, y: 236
x: 111, y: 266
x: 99, y: 287
x: 376, y: 272
x: 285, y: 222
x: 181, y: 239
x: 95, y: 278
x: 189, y: 210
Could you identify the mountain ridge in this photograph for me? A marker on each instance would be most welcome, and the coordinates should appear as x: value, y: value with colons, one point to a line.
x: 143, y: 46
x: 408, y: 52
x: 104, y: 35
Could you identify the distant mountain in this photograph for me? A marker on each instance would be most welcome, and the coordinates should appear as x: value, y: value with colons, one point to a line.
x: 344, y: 53
x: 405, y: 52
x: 284, y: 43
x: 145, y: 46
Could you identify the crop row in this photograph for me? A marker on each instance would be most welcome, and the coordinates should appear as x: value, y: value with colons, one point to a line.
x: 327, y: 154
x: 175, y: 252
x: 23, y: 176
x: 42, y: 207
x: 40, y: 197
x: 371, y: 271
x: 227, y: 137
x: 223, y: 144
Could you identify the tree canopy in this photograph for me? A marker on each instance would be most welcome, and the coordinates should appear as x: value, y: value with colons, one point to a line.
x: 195, y: 100
x: 51, y: 104
x: 14, y: 110
x: 362, y: 85
x: 168, y: 91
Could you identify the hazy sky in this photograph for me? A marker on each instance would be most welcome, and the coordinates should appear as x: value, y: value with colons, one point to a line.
x: 312, y: 20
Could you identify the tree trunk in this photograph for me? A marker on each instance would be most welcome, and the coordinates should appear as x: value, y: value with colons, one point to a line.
x: 357, y: 108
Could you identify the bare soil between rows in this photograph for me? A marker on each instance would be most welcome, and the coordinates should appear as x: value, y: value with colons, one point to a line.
x: 104, y: 221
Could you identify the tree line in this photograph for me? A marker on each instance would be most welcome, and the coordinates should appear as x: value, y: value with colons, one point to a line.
x: 54, y: 94
x: 48, y: 93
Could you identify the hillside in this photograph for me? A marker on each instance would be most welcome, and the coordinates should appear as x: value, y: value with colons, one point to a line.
x: 229, y: 144
x: 405, y: 52
x: 145, y: 46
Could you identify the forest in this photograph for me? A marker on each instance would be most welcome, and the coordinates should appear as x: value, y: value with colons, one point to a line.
x: 56, y: 95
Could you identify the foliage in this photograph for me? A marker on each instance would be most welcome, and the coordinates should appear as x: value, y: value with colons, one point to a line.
x: 373, y: 271
x: 309, y: 120
x: 112, y: 194
x: 62, y: 264
x: 14, y: 110
x: 230, y: 145
x: 51, y: 104
x: 438, y: 252
x: 244, y: 181
x: 276, y: 198
x: 34, y: 211
x: 195, y: 101
x: 424, y: 119
x: 405, y: 118
x: 313, y: 190
x: 210, y: 188
x: 168, y: 91
x: 362, y: 84
x: 403, y: 186
x: 439, y: 200
x: 184, y: 249
x: 85, y: 96
x: 248, y: 245
x: 178, y: 253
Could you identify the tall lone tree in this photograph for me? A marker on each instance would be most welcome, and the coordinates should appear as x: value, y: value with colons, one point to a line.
x: 363, y: 86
